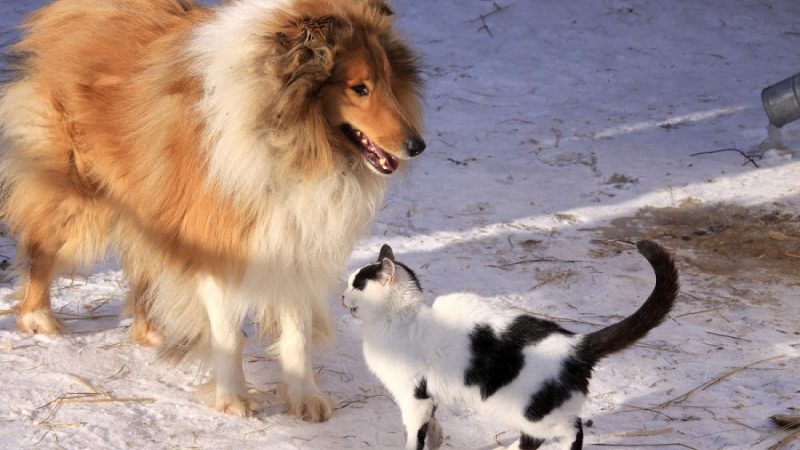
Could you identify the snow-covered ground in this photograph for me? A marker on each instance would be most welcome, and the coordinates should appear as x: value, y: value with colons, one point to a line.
x: 550, y: 126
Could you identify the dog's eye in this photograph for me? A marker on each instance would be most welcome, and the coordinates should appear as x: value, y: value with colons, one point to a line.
x: 361, y: 89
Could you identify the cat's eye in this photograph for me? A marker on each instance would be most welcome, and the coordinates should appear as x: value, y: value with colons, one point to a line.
x: 361, y: 89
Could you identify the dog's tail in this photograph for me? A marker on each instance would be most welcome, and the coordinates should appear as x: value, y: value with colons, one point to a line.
x: 622, y: 334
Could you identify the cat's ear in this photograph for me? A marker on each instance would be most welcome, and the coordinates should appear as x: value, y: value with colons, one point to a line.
x: 386, y: 252
x: 388, y: 270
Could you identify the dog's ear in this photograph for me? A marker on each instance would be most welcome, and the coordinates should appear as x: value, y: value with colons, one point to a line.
x: 382, y: 7
x: 307, y: 47
x: 187, y: 5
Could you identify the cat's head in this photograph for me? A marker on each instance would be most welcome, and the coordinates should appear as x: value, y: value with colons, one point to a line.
x: 381, y: 288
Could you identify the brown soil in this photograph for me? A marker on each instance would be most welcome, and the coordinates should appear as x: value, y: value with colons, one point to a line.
x: 722, y: 239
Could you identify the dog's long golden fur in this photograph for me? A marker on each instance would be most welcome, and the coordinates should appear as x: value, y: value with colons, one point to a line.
x: 231, y: 157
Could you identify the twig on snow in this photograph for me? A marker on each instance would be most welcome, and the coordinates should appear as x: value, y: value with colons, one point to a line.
x: 663, y: 349
x: 531, y: 261
x: 641, y: 408
x: 682, y: 398
x: 645, y: 433
x: 98, y: 395
x: 53, y: 426
x: 36, y: 444
x: 749, y: 158
x: 729, y: 336
x: 613, y: 241
x: 361, y: 401
x: 648, y: 445
x: 557, y: 134
x: 556, y: 319
x: 697, y: 312
x: 786, y: 440
x: 112, y: 400
x: 482, y: 18
x: 96, y: 306
x: 560, y: 276
x: 740, y: 423
x: 72, y: 316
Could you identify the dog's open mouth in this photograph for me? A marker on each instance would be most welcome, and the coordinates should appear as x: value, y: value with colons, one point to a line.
x: 379, y: 158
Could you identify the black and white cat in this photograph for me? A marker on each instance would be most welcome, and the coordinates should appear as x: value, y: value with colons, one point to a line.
x: 526, y: 372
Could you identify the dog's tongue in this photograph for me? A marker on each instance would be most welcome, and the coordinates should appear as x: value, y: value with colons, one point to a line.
x: 385, y: 160
x: 376, y: 155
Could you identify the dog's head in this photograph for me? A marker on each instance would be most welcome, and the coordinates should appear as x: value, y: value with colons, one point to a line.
x: 348, y: 80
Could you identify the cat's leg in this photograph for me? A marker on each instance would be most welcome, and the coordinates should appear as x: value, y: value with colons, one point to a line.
x: 572, y: 440
x: 419, y: 422
x: 435, y: 434
x: 525, y: 442
x: 577, y: 440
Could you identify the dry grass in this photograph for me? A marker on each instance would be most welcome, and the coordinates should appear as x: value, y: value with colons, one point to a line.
x: 683, y: 397
x: 96, y: 394
x: 719, y: 238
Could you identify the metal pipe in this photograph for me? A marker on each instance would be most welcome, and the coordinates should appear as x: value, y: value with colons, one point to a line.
x: 782, y: 101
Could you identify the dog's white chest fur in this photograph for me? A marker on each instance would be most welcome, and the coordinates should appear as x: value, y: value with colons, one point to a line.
x: 303, y: 237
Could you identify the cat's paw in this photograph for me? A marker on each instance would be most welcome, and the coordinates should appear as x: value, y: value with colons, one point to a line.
x: 42, y: 321
x: 435, y: 436
x: 237, y: 405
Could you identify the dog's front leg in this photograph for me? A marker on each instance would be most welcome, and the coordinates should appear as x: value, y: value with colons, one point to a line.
x: 227, y: 340
x: 300, y: 389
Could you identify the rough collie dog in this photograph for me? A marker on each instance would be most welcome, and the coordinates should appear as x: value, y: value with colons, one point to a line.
x: 231, y: 157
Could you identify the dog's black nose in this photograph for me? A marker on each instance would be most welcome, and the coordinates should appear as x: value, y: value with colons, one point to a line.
x: 415, y: 145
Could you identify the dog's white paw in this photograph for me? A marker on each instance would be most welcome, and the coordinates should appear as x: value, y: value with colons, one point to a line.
x: 145, y: 335
x: 237, y: 405
x: 40, y: 322
x: 313, y: 406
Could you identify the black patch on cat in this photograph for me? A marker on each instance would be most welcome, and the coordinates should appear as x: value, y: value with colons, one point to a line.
x: 421, y: 390
x: 411, y: 275
x: 573, y: 376
x: 577, y: 444
x: 549, y: 397
x: 495, y: 361
x: 421, y: 434
x: 366, y: 273
x: 528, y: 330
x: 372, y: 272
x: 529, y: 443
x: 386, y: 252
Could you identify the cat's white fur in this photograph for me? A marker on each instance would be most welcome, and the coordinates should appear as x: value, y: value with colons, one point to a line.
x: 526, y: 373
x: 405, y: 340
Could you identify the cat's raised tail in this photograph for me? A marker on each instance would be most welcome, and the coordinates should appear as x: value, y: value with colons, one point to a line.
x: 622, y: 334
